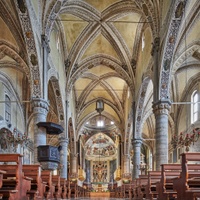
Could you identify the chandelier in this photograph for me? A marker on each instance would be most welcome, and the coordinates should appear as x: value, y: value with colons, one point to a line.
x: 99, y: 106
x: 185, y: 139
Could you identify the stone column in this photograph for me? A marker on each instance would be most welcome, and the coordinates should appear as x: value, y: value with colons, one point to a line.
x: 40, y: 110
x: 63, y: 157
x: 136, y: 157
x: 45, y: 53
x: 161, y: 110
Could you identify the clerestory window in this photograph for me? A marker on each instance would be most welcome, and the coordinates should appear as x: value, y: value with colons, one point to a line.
x: 194, y: 106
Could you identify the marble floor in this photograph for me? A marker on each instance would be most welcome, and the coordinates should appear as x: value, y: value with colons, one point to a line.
x: 98, y: 198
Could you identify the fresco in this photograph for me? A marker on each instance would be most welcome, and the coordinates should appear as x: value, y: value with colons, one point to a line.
x: 100, y: 145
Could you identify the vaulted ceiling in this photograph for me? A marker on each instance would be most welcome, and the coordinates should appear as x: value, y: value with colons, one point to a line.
x: 101, y: 40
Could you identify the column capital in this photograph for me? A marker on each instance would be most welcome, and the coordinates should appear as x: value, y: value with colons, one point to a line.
x: 39, y: 102
x: 45, y: 43
x: 136, y: 142
x: 156, y: 46
x: 162, y: 107
x: 40, y: 105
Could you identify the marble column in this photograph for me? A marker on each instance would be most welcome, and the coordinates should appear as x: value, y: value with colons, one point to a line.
x: 45, y: 53
x: 40, y: 109
x: 161, y: 111
x: 136, y: 157
x: 63, y: 157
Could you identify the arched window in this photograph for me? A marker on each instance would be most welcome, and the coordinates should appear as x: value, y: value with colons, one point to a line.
x: 194, y: 107
x: 7, y: 108
x: 58, y: 42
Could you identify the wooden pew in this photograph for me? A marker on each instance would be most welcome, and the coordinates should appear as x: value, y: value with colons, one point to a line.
x: 68, y: 189
x: 63, y: 184
x: 73, y: 190
x: 80, y: 192
x: 37, y: 185
x: 56, y: 183
x: 15, y: 185
x: 165, y: 187
x: 118, y: 192
x: 127, y: 190
x: 150, y: 189
x: 49, y: 188
x: 141, y: 182
x: 188, y: 185
x: 2, y: 172
x: 1, y: 181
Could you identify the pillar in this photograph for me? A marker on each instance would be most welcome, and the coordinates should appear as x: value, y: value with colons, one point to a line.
x: 63, y: 157
x: 136, y: 158
x: 40, y: 110
x: 161, y: 110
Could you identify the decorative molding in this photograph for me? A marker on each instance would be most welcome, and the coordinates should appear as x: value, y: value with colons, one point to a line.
x: 59, y: 103
x: 169, y: 49
x: 140, y: 108
x: 190, y: 51
x: 196, y: 55
x: 31, y: 50
x: 151, y: 15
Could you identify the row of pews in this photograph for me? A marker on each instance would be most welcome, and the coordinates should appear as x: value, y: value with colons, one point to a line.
x: 24, y: 182
x: 173, y: 181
